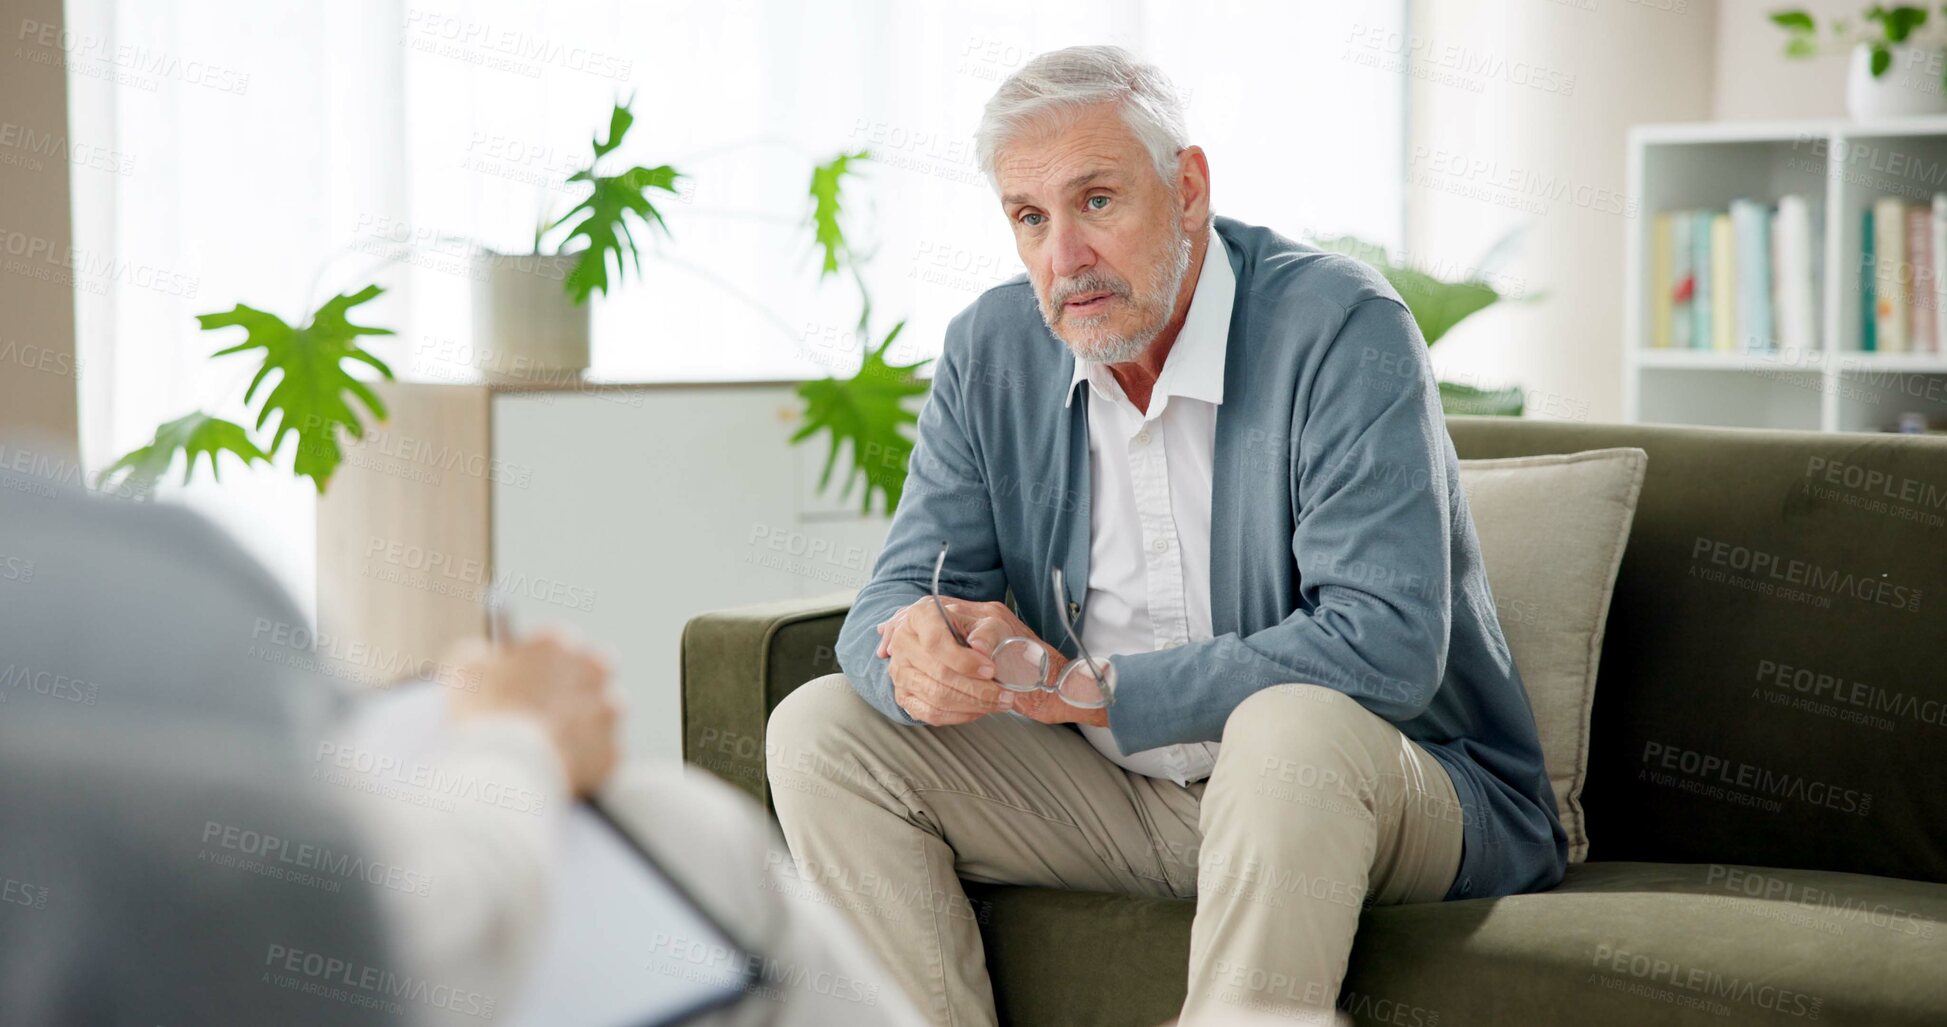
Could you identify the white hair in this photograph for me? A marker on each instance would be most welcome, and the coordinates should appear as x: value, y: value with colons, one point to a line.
x: 1065, y: 81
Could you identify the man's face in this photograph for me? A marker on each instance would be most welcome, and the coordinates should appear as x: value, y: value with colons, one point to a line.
x: 1100, y: 232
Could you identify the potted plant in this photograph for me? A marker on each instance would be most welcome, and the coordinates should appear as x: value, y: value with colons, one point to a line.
x: 1898, y: 54
x: 530, y: 313
x: 315, y: 397
x: 311, y: 397
x: 1437, y: 305
x: 868, y: 410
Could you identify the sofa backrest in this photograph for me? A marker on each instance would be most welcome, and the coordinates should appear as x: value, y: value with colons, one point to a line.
x: 1772, y: 688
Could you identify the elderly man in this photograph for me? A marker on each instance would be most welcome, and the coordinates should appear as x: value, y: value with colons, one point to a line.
x: 1218, y: 454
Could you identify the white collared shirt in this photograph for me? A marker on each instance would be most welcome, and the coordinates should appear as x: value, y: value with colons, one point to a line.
x: 1149, y: 516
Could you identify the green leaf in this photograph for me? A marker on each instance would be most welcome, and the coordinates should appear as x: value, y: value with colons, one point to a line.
x: 1882, y: 59
x: 1801, y: 46
x: 827, y: 195
x: 1358, y: 249
x: 313, y: 386
x: 1901, y: 21
x: 1793, y: 20
x: 601, y: 220
x: 1456, y: 398
x: 198, y: 434
x: 618, y: 126
x: 1436, y: 305
x: 866, y: 411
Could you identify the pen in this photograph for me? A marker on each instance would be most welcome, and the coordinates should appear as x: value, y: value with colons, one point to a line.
x: 500, y: 629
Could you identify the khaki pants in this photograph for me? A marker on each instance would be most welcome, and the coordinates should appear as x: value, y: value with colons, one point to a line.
x: 1316, y: 808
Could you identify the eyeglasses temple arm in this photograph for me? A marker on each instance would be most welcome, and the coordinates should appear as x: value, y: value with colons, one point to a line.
x: 1068, y: 625
x: 938, y: 564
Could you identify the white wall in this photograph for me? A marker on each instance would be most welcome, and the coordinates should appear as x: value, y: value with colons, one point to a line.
x: 1756, y: 80
x: 699, y: 505
x: 1518, y: 113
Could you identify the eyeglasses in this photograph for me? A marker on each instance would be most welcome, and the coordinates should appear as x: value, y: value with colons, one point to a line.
x: 1021, y: 662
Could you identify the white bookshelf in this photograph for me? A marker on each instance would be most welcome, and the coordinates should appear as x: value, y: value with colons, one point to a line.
x: 1842, y: 167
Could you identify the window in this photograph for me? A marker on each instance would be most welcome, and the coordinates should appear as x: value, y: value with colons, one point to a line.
x: 275, y: 155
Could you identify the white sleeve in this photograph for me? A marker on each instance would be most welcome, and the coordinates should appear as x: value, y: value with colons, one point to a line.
x: 723, y: 848
x: 468, y: 833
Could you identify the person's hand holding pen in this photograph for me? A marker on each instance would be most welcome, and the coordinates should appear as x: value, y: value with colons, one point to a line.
x: 560, y: 682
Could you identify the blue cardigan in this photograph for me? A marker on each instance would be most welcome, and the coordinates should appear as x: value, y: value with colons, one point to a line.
x: 1342, y: 552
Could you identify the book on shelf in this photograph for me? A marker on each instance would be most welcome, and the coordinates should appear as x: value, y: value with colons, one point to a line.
x: 1751, y: 263
x: 1903, y: 257
x: 1774, y: 296
x: 1700, y: 269
x: 1937, y: 224
x: 1868, y: 297
x: 1917, y: 276
x: 1739, y: 279
x: 1683, y: 283
x: 1889, y: 292
x: 1795, y: 261
x: 1662, y: 289
x: 1723, y: 284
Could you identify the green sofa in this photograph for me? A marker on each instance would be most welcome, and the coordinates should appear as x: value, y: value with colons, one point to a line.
x: 1767, y: 793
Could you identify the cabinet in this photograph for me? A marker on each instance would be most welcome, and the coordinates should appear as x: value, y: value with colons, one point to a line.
x: 617, y: 509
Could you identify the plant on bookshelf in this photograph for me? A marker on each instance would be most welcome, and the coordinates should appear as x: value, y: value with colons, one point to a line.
x: 1897, y: 56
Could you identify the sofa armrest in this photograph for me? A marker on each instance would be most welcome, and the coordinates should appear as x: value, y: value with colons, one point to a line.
x: 737, y: 665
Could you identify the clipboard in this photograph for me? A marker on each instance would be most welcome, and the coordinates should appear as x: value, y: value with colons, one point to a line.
x: 625, y: 943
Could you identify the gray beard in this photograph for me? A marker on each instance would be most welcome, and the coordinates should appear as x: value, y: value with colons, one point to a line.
x: 1164, y: 281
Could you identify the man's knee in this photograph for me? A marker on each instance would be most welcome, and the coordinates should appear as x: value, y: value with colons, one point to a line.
x: 806, y: 722
x: 808, y: 712
x: 1297, y: 737
x: 1284, y: 717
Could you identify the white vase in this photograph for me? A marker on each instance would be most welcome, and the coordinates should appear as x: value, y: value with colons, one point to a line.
x: 526, y: 328
x: 1910, y: 87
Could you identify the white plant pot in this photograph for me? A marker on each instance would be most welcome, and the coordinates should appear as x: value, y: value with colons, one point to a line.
x: 526, y: 328
x: 1910, y: 87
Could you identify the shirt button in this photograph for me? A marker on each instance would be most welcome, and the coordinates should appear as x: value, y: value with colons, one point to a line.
x: 1142, y: 439
x: 1159, y: 545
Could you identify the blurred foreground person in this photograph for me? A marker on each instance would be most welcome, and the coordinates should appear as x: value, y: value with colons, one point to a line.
x: 192, y: 829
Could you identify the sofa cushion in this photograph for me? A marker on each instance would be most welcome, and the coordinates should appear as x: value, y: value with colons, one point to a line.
x: 1771, y: 680
x: 1552, y: 531
x: 1615, y: 945
x: 1670, y: 944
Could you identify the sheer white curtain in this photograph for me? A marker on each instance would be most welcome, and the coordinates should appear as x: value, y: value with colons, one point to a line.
x: 316, y: 137
x: 251, y: 133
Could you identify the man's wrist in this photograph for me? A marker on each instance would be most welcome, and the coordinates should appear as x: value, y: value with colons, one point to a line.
x: 1093, y: 717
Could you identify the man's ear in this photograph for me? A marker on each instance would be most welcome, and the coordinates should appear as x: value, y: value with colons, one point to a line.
x: 1193, y: 187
